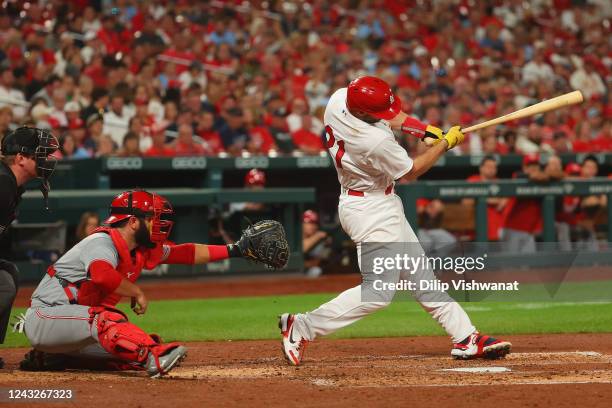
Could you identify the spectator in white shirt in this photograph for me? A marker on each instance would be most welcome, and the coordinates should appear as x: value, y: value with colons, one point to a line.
x: 537, y: 69
x: 9, y: 95
x: 57, y: 112
x: 195, y: 74
x: 531, y: 142
x: 116, y: 121
x: 299, y: 108
x: 586, y: 79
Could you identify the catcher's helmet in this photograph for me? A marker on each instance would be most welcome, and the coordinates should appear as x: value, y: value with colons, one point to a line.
x: 142, y: 204
x: 255, y: 177
x: 373, y: 96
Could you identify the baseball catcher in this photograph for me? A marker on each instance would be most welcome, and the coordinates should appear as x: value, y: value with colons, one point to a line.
x: 73, y: 314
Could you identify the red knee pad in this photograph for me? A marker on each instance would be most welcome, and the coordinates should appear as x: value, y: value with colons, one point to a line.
x: 120, y: 337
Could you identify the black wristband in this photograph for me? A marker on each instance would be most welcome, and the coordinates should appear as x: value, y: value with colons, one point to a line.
x: 233, y: 251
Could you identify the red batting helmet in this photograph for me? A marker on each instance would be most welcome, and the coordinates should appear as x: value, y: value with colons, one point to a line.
x: 255, y: 177
x: 142, y: 204
x: 373, y: 96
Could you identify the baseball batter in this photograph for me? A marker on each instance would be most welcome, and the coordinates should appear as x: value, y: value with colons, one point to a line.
x: 73, y: 314
x: 358, y: 121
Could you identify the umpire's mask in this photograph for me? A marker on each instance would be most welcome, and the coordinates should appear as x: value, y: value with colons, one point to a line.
x: 38, y: 144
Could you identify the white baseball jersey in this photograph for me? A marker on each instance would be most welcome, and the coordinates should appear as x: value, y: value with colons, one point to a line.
x: 367, y: 156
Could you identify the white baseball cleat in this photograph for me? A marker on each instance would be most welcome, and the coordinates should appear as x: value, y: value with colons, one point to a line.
x: 477, y: 345
x: 294, y: 343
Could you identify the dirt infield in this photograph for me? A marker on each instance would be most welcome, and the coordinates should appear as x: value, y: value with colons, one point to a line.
x: 551, y: 370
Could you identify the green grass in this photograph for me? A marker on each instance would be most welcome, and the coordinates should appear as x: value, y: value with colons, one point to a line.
x: 256, y: 318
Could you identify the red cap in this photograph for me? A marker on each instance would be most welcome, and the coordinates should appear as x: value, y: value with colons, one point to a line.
x: 255, y: 177
x: 76, y: 123
x: 532, y: 158
x: 54, y: 122
x: 373, y: 96
x: 310, y: 217
x: 573, y: 169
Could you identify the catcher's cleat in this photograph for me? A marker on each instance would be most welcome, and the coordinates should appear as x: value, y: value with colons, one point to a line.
x: 158, y: 366
x: 35, y: 360
x: 477, y: 345
x: 264, y: 242
x: 294, y: 343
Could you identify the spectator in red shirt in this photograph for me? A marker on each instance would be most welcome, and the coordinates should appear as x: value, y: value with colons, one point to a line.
x: 316, y: 244
x: 590, y: 206
x: 211, y: 138
x: 186, y: 143
x: 113, y: 35
x: 567, y: 213
x: 495, y: 205
x: 159, y: 148
x: 523, y: 217
x: 583, y: 142
x: 305, y: 139
x: 603, y: 142
x: 490, y: 145
x: 261, y: 140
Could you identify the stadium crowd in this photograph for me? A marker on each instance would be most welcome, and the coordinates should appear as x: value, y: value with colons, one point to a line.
x: 181, y: 78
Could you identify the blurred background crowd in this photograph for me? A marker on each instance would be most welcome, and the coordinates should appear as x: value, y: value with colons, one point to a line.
x: 216, y: 78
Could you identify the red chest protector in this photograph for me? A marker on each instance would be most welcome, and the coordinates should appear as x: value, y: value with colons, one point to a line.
x: 130, y: 267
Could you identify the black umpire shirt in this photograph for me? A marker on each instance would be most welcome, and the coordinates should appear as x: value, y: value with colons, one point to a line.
x: 10, y: 195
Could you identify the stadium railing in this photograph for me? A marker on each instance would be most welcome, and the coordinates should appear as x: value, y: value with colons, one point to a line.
x: 453, y: 190
x: 209, y: 171
x: 191, y: 219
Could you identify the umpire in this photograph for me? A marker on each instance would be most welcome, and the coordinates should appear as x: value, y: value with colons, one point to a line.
x: 24, y: 155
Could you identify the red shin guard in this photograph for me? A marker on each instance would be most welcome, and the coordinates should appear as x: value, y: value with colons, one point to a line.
x: 120, y: 337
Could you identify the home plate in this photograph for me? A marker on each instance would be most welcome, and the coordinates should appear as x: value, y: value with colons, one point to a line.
x: 478, y: 369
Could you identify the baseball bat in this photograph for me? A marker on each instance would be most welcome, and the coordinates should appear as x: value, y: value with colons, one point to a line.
x: 557, y: 102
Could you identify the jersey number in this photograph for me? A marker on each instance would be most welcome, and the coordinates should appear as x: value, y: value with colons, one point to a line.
x: 331, y: 141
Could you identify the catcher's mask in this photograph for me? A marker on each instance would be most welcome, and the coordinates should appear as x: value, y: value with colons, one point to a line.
x: 151, y: 207
x: 38, y: 144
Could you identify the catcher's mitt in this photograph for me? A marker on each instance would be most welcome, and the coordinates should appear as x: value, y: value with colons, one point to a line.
x: 265, y: 242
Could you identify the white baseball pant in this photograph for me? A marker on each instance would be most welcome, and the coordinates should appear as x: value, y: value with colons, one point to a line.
x: 377, y: 217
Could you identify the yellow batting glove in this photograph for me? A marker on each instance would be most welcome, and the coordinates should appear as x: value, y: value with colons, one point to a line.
x: 453, y: 137
x: 433, y: 135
